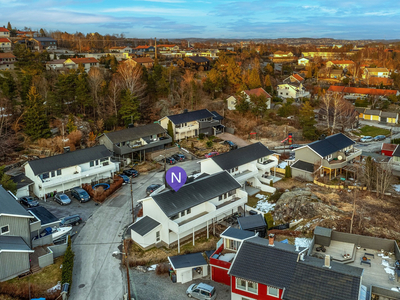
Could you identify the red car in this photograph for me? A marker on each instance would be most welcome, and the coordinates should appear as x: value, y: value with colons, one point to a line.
x: 211, y: 154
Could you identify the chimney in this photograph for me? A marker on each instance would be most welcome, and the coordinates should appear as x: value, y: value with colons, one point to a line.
x: 271, y: 238
x: 67, y: 149
x: 327, y: 262
x: 297, y: 248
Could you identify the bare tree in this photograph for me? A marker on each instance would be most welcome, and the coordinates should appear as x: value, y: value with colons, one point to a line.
x: 131, y: 78
x: 325, y: 106
x: 384, y: 178
x: 96, y: 78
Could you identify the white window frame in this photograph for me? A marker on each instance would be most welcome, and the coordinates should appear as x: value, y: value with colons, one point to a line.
x: 269, y: 294
x: 247, y: 286
x: 1, y: 229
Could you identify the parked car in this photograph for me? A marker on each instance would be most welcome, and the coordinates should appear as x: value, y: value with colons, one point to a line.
x: 62, y: 199
x: 231, y: 145
x: 124, y: 178
x: 29, y: 201
x: 178, y: 157
x: 71, y: 220
x: 379, y: 138
x: 131, y: 173
x: 366, y: 139
x: 294, y: 146
x: 170, y: 160
x: 201, y: 291
x: 152, y: 188
x: 80, y: 194
x: 211, y: 154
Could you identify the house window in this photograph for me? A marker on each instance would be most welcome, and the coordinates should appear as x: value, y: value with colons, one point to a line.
x: 97, y: 162
x: 230, y: 193
x: 5, y: 229
x: 92, y: 163
x: 45, y: 175
x: 245, y: 285
x: 58, y: 172
x: 174, y: 217
x: 182, y: 213
x: 188, y: 211
x: 220, y: 198
x: 157, y: 236
x: 328, y: 157
x: 271, y: 291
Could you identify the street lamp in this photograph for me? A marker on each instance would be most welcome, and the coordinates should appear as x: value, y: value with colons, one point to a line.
x: 127, y: 270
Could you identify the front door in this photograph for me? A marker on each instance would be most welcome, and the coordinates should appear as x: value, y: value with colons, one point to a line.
x: 195, y: 132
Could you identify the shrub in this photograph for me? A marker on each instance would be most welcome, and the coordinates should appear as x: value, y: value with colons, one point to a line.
x: 288, y: 172
x: 100, y: 196
x: 162, y: 268
x: 68, y: 264
x: 271, y: 183
x: 201, y: 136
x: 275, y: 196
x: 269, y: 219
x: 395, y: 141
x: 209, y: 144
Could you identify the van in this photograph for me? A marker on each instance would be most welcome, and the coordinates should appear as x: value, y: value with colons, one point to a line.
x: 71, y: 220
x: 201, y: 291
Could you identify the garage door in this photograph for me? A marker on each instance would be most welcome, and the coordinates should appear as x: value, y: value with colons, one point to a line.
x: 186, y: 276
x: 221, y: 276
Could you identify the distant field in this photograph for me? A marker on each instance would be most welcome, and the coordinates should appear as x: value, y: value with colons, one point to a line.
x: 371, y: 131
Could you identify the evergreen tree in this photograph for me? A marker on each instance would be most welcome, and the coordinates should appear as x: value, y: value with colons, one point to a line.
x: 36, y: 123
x: 170, y: 131
x: 242, y: 105
x: 9, y: 27
x: 6, y: 182
x: 71, y: 127
x: 129, y: 108
x: 254, y: 80
x: 307, y: 121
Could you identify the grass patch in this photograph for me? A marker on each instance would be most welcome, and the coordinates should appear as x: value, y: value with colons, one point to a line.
x: 253, y: 200
x: 139, y: 257
x: 371, y: 131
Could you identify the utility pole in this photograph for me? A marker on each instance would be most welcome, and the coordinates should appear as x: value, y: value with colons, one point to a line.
x: 133, y: 211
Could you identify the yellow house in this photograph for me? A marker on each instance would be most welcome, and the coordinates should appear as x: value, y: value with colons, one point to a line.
x: 389, y: 117
x: 373, y: 115
x: 360, y: 111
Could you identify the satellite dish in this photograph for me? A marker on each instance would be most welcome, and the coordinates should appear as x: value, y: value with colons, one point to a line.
x: 339, y: 157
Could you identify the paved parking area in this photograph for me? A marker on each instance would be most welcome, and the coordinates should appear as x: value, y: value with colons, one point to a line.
x: 145, y: 286
x: 230, y: 137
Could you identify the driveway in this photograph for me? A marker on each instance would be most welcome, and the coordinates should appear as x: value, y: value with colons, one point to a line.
x: 145, y: 286
x: 97, y: 273
x: 230, y: 137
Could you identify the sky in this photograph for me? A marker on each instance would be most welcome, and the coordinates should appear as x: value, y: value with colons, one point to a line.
x: 351, y: 19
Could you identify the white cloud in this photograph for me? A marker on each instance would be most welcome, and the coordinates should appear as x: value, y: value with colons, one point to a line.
x: 157, y: 10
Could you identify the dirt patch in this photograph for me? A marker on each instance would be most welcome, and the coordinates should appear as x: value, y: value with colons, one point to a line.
x: 147, y: 166
x: 202, y: 147
x: 289, y: 183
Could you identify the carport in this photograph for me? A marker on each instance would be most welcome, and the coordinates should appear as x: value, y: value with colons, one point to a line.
x: 189, y: 266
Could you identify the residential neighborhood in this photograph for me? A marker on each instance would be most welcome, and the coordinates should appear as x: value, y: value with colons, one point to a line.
x: 148, y: 152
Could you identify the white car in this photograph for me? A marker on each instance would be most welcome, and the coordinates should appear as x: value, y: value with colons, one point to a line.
x: 366, y: 139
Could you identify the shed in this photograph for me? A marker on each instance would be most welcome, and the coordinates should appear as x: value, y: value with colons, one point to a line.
x: 23, y: 184
x: 388, y: 149
x: 254, y: 223
x: 189, y: 266
x: 322, y: 236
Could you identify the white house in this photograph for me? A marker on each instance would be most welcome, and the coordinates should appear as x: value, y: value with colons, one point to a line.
x: 65, y: 171
x: 55, y: 64
x: 7, y: 61
x: 86, y: 62
x: 171, y: 217
x: 251, y: 166
x: 292, y: 90
x: 376, y: 72
x: 5, y: 44
x: 231, y: 101
x: 121, y: 49
x: 303, y: 61
x: 4, y: 32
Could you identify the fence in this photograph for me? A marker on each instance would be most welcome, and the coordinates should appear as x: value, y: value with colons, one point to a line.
x: 340, y: 187
x: 280, y: 171
x: 53, y: 252
x: 46, y: 240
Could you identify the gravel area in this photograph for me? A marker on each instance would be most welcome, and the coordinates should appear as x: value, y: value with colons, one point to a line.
x: 230, y: 137
x: 145, y: 286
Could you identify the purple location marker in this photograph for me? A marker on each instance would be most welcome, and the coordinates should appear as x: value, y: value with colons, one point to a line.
x: 176, y: 177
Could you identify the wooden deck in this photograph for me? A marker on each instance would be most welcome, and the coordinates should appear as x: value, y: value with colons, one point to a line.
x: 337, y: 249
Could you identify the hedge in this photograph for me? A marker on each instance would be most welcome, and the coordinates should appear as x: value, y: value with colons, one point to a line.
x: 68, y: 264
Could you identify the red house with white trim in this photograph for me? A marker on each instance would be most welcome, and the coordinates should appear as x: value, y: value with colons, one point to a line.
x: 221, y: 259
x: 388, y: 149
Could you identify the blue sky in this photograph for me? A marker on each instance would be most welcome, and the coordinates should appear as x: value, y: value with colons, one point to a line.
x: 360, y: 19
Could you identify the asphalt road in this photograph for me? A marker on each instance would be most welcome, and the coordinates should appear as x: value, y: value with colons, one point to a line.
x: 97, y: 273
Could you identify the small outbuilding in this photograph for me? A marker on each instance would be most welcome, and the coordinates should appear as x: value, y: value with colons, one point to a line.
x: 323, y: 236
x: 254, y: 223
x: 189, y: 266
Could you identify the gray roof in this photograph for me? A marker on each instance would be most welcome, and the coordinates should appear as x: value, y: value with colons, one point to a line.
x: 195, y: 193
x: 387, y: 114
x: 312, y: 281
x: 258, y: 262
x: 372, y: 112
x: 144, y: 225
x: 44, y: 39
x: 187, y: 260
x: 130, y: 134
x: 360, y: 110
x: 241, y: 156
x: 191, y: 116
x: 21, y: 180
x: 322, y: 231
x: 277, y: 266
x: 69, y: 159
x: 43, y: 215
x: 13, y: 244
x: 396, y: 152
x: 251, y: 222
x: 330, y: 144
x: 236, y: 233
x: 303, y: 165
x: 10, y: 206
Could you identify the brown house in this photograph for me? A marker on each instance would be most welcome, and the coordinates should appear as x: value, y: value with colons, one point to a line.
x: 143, y: 61
x: 195, y: 62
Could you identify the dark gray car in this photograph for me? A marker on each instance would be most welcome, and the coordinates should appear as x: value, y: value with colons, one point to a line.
x: 29, y: 201
x: 62, y: 199
x: 80, y: 194
x: 71, y: 220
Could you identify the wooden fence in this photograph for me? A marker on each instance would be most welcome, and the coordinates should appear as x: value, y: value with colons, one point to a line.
x: 340, y: 187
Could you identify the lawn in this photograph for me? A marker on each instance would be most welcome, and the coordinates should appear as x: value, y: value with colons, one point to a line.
x: 253, y: 200
x: 368, y: 130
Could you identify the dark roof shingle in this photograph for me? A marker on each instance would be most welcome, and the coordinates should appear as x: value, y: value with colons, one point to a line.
x: 21, y: 180
x: 10, y: 206
x: 241, y: 156
x: 144, y: 225
x: 69, y: 159
x: 236, y: 233
x: 13, y: 243
x: 191, y: 116
x: 43, y: 215
x: 251, y: 222
x: 195, y: 193
x: 330, y: 144
x: 303, y: 165
x: 129, y: 134
x: 187, y: 260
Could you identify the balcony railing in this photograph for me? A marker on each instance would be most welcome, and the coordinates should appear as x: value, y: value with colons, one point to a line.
x: 186, y: 128
x: 133, y: 148
x: 268, y: 164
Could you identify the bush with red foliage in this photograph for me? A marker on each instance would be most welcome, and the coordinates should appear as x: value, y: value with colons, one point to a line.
x: 99, y: 195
